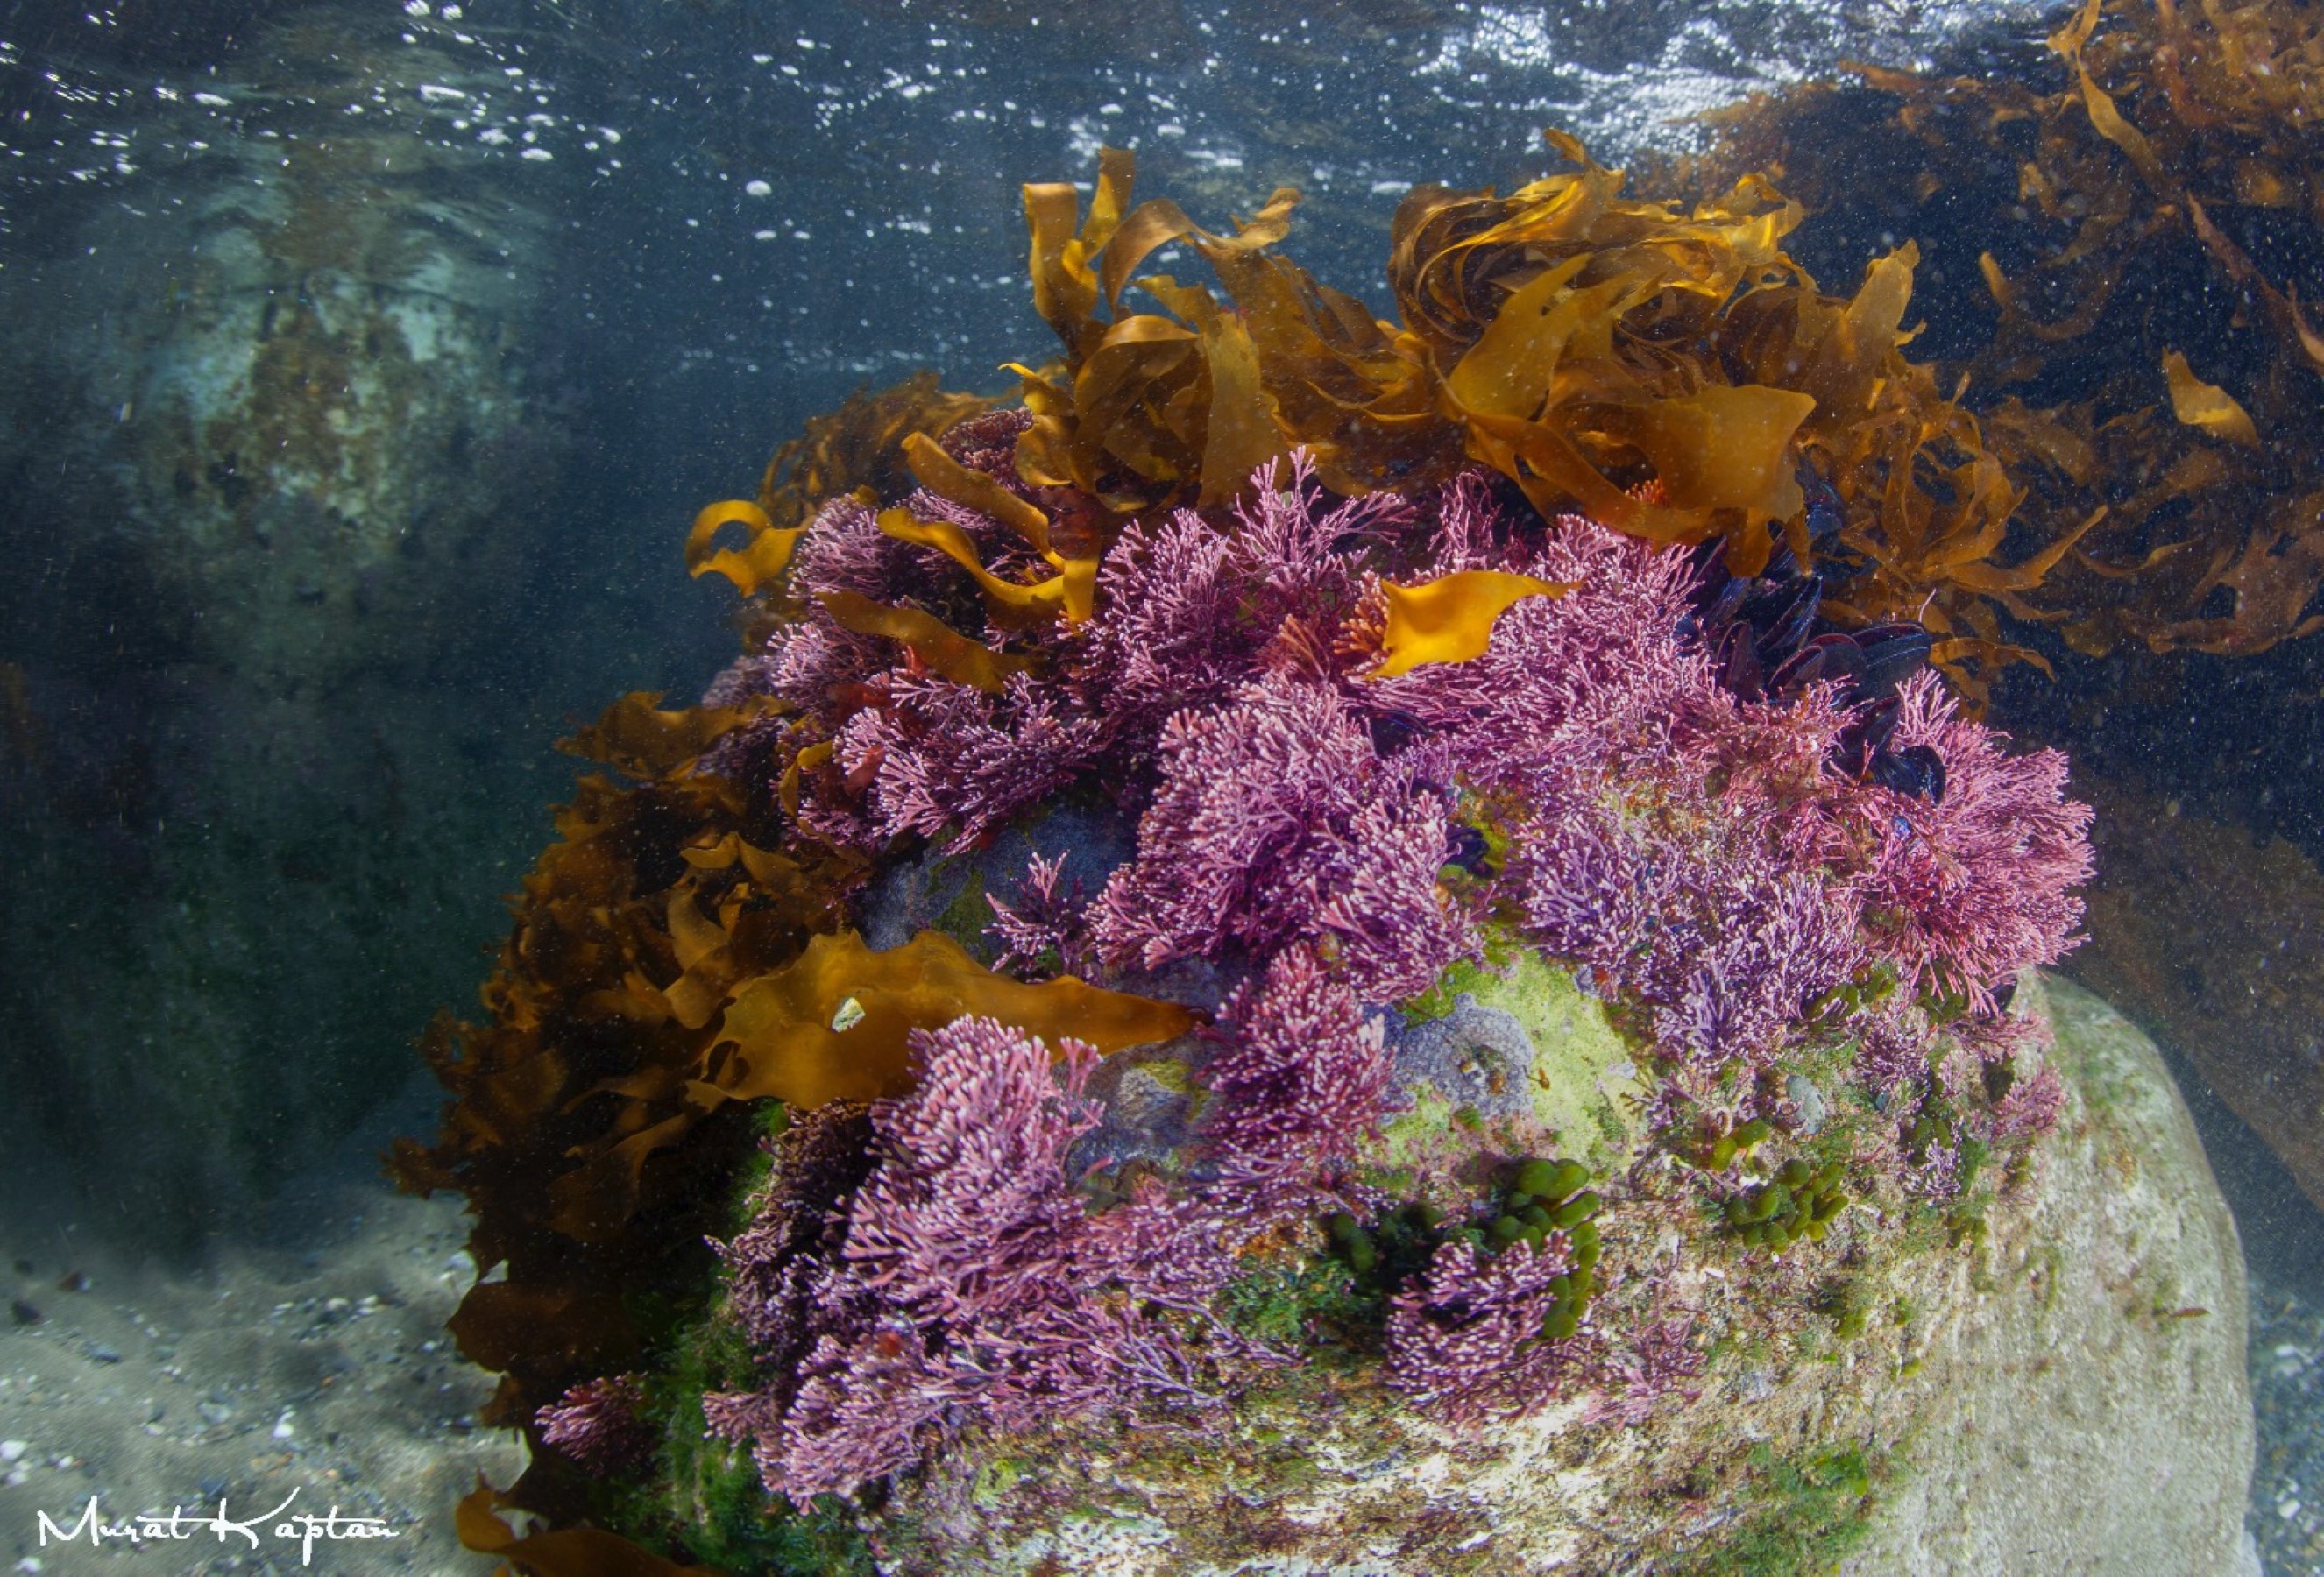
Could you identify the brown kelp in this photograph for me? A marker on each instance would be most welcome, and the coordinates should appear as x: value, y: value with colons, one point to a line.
x: 1669, y: 371
x: 2132, y: 219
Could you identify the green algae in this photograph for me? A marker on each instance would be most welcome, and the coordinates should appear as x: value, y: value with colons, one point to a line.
x: 995, y: 1477
x: 1802, y: 1515
x: 1283, y: 1305
x: 1408, y: 1139
x: 1439, y: 1000
x: 964, y: 918
x: 1582, y: 1066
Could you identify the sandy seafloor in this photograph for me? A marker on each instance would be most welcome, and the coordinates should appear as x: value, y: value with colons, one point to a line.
x: 2283, y: 1247
x: 306, y: 1354
x: 2287, y: 1516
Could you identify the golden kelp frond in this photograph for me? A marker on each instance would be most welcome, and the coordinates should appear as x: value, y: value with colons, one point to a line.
x: 567, y: 1103
x: 763, y: 556
x: 859, y: 445
x: 1457, y: 257
x: 2137, y: 210
x: 1451, y: 619
x: 1581, y: 342
x: 946, y: 651
x: 2207, y: 405
x: 1148, y: 410
x: 1665, y: 370
x: 831, y: 1023
x: 571, y: 1552
x: 947, y: 477
x: 835, y: 1024
x: 642, y: 741
x: 1008, y: 604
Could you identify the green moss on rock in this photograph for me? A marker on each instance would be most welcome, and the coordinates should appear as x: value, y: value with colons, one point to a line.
x: 1802, y: 1515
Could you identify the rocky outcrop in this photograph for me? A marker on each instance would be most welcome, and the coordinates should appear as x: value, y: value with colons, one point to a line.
x: 2064, y: 1394
x: 2082, y: 1406
x: 274, y: 436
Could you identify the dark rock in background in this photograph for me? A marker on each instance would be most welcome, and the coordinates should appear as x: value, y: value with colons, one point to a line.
x: 279, y: 438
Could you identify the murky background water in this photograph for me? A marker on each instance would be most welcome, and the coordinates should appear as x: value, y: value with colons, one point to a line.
x: 364, y: 362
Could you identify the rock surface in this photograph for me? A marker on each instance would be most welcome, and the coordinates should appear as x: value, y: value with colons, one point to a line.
x: 2091, y: 1412
x: 2069, y: 1396
x: 2215, y: 939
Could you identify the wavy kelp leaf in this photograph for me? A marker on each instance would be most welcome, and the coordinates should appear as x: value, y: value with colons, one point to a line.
x: 768, y: 868
x: 1148, y: 408
x: 1512, y: 369
x: 760, y: 559
x: 944, y: 650
x: 2042, y: 433
x: 2080, y: 321
x: 2207, y: 406
x: 859, y: 445
x: 1067, y: 287
x: 947, y: 477
x: 2112, y: 174
x: 1845, y: 354
x: 1158, y: 222
x: 510, y: 1325
x: 1009, y: 604
x: 1545, y: 334
x: 2106, y: 117
x: 1980, y: 576
x: 704, y: 955
x: 1722, y: 448
x: 2310, y: 342
x: 642, y: 741
x: 1354, y: 391
x: 1240, y: 429
x: 593, y: 1202
x: 1592, y: 341
x: 1451, y: 619
x: 780, y: 1027
x: 576, y: 1552
x: 2274, y: 576
x: 568, y: 1104
x: 2115, y: 129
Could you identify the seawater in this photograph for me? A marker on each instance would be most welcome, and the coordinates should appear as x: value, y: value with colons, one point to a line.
x: 365, y: 360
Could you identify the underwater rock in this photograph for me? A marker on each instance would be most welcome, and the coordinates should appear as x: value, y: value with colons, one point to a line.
x: 1520, y: 804
x: 269, y: 417
x: 1327, y: 1026
x: 2216, y: 943
x: 2083, y: 1404
x: 2072, y: 1398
